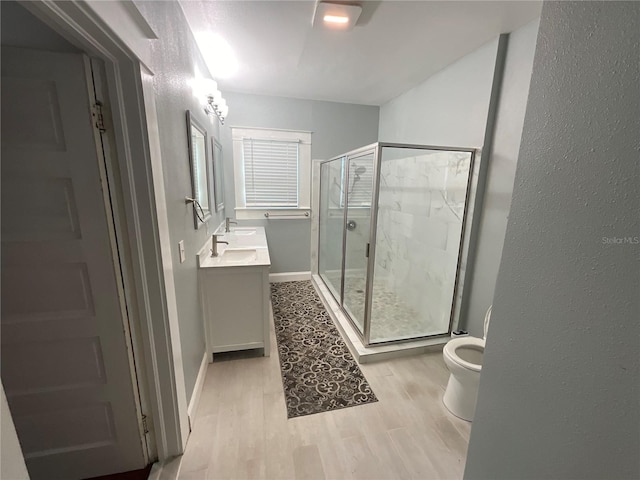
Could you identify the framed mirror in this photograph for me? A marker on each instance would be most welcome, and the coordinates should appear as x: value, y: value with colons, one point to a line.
x: 218, y: 175
x: 200, y: 170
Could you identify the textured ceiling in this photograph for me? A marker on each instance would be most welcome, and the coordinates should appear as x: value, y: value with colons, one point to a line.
x: 394, y: 46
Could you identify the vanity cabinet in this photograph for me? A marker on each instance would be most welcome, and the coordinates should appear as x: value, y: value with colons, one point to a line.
x: 235, y: 293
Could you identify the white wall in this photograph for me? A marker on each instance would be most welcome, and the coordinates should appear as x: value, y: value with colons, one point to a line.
x: 501, y: 171
x: 559, y: 389
x: 451, y: 108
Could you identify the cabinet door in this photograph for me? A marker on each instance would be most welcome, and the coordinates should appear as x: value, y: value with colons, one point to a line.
x: 234, y: 309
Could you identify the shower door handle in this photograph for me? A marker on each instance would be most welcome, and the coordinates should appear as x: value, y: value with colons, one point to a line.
x: 366, y: 251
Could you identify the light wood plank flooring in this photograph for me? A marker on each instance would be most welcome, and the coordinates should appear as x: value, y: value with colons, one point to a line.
x: 241, y: 430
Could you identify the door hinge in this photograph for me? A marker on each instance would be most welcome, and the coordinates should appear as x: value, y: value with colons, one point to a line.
x: 145, y: 428
x: 98, y: 117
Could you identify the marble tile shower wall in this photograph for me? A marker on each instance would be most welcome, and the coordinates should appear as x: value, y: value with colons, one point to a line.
x: 420, y: 214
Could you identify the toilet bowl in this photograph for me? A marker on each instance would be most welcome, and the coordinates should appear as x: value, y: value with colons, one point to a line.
x: 463, y: 358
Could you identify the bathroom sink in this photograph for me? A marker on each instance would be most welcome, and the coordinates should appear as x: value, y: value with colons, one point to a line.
x: 239, y: 255
x: 244, y: 232
x: 246, y: 237
x: 241, y: 247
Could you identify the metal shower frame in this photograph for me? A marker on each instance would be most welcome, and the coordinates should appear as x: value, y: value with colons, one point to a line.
x: 376, y: 148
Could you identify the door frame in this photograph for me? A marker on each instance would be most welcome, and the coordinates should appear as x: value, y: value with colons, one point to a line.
x: 126, y: 55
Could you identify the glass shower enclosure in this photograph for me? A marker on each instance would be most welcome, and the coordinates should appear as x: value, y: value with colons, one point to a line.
x: 391, y: 229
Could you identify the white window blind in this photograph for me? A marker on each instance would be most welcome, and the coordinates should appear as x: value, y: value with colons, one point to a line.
x: 270, y: 172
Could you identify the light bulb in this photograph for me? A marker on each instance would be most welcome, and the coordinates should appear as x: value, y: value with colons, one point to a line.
x: 336, y: 19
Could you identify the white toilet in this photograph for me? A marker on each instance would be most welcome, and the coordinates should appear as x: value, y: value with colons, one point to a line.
x: 463, y: 357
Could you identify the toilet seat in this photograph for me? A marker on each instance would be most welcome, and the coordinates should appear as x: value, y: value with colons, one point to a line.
x: 451, y: 347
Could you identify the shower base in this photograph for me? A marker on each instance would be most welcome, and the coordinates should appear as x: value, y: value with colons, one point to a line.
x: 364, y: 354
x: 393, y: 319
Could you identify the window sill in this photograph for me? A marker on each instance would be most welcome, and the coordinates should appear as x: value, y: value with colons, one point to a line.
x: 273, y: 213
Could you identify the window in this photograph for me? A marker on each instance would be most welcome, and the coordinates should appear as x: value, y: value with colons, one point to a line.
x: 272, y: 172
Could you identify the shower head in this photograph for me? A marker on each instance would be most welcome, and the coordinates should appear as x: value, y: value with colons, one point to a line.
x: 357, y: 172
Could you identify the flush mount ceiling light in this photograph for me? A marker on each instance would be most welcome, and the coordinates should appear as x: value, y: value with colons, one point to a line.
x: 336, y: 16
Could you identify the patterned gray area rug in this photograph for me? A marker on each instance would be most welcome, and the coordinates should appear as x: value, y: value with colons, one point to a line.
x: 318, y: 372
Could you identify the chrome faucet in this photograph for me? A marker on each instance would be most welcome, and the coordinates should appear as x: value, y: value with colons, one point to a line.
x: 214, y: 244
x: 228, y: 222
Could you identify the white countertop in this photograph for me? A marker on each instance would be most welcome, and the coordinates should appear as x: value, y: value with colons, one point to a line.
x: 247, y: 248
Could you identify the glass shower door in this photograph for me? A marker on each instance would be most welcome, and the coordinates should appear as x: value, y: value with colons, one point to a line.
x: 421, y: 209
x: 357, y: 222
x: 331, y: 215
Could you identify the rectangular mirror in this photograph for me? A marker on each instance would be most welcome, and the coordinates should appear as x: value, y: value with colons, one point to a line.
x: 218, y: 175
x: 200, y: 170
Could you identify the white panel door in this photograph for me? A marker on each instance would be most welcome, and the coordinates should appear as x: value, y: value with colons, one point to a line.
x: 65, y: 361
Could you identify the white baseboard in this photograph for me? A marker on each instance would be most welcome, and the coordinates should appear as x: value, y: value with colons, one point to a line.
x: 197, y: 389
x: 156, y: 471
x: 167, y: 470
x: 289, y: 277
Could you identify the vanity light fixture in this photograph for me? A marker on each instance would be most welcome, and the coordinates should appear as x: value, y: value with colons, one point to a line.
x: 216, y: 105
x: 206, y: 91
x: 336, y: 16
